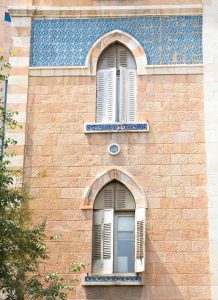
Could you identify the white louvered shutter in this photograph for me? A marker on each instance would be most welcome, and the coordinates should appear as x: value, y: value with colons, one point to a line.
x: 106, y: 87
x: 97, y: 241
x: 127, y: 90
x: 105, y: 198
x: 107, y: 267
x: 102, y: 253
x: 110, y: 86
x: 108, y: 196
x: 106, y: 95
x: 110, y: 58
x: 122, y: 97
x: 108, y: 200
x: 123, y: 198
x: 101, y: 95
x: 123, y: 100
x: 122, y: 57
x: 131, y: 95
x: 139, y: 239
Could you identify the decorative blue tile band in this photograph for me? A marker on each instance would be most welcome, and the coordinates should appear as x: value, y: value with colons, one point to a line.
x: 116, y: 127
x: 165, y: 39
x: 113, y: 279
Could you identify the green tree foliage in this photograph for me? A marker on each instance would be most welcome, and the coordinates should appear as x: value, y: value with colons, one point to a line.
x: 22, y: 246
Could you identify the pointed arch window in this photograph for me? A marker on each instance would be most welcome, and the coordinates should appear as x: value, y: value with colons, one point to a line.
x: 116, y: 86
x: 118, y: 232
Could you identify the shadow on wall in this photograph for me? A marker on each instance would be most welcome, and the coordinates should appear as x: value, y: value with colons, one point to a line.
x: 160, y: 283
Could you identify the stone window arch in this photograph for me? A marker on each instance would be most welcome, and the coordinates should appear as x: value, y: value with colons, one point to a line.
x: 91, y: 201
x: 112, y: 37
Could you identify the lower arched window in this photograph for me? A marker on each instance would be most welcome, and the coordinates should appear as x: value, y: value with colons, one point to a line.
x: 118, y: 231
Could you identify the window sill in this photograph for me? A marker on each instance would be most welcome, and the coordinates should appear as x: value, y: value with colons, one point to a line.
x: 116, y: 127
x: 112, y: 279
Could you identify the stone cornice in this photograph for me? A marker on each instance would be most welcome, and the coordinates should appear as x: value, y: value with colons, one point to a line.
x: 104, y: 11
x: 84, y: 71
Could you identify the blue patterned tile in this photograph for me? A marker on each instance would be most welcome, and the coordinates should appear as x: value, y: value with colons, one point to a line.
x: 116, y: 127
x: 66, y: 42
x: 98, y: 279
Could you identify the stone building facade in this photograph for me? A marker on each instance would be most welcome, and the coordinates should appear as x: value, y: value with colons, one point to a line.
x: 167, y: 157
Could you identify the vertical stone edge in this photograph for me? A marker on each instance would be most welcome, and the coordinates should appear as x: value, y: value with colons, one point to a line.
x: 18, y: 82
x: 210, y: 42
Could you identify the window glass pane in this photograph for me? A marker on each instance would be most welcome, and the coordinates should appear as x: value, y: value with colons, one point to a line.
x: 125, y: 223
x: 125, y: 245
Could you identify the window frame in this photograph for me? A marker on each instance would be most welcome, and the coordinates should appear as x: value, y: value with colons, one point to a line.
x: 101, y: 265
x: 115, y: 244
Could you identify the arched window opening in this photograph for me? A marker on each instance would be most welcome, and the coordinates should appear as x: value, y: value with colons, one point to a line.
x: 117, y: 235
x: 116, y: 85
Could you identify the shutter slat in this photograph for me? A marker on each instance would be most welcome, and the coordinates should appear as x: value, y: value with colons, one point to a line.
x: 139, y: 239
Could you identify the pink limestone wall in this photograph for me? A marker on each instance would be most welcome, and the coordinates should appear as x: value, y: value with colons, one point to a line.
x: 168, y: 162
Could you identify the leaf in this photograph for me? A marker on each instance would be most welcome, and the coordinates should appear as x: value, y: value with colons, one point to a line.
x: 56, y: 237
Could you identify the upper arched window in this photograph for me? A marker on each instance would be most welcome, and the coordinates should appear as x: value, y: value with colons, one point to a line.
x: 116, y: 85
